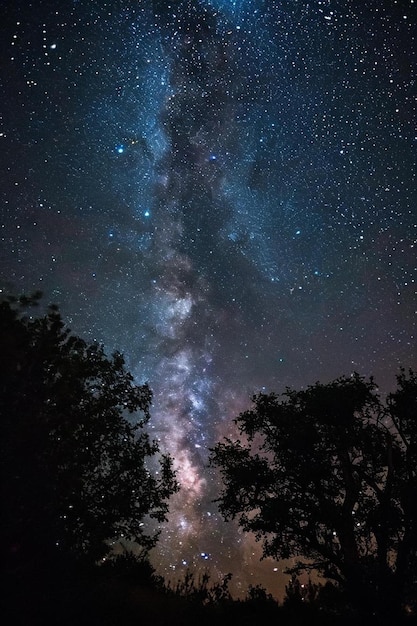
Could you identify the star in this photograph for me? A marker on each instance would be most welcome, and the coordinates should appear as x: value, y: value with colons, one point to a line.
x: 224, y: 192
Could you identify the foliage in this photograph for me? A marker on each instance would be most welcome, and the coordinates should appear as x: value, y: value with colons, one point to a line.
x: 74, y: 449
x: 328, y: 475
x: 258, y: 594
x: 199, y: 589
x: 131, y: 568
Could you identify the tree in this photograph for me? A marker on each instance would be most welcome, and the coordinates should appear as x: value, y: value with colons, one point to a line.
x: 328, y: 475
x: 76, y: 459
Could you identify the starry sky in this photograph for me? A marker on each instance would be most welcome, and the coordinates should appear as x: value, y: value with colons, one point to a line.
x: 225, y: 192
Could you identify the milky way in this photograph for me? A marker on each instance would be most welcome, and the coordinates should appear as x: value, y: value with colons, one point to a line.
x: 225, y: 192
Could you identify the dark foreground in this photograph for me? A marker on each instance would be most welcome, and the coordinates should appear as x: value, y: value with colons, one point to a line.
x: 130, y: 594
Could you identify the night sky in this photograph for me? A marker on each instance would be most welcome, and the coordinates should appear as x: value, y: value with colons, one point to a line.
x: 225, y: 192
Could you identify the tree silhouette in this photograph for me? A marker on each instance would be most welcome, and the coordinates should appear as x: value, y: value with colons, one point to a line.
x: 328, y: 474
x: 76, y: 460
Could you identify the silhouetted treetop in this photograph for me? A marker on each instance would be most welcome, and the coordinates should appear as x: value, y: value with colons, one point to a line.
x: 75, y: 472
x: 328, y: 474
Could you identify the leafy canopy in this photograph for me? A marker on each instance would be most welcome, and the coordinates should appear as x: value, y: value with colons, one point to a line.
x: 328, y: 474
x: 75, y: 456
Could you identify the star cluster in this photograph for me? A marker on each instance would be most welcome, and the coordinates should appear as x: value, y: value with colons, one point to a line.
x: 224, y: 191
